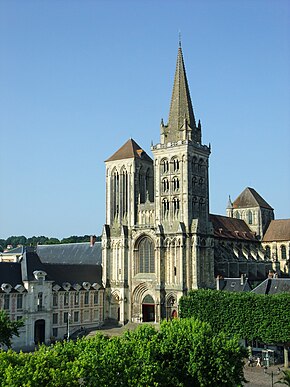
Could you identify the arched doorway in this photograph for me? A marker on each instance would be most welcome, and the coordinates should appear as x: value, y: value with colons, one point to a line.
x: 39, y: 331
x: 148, y: 309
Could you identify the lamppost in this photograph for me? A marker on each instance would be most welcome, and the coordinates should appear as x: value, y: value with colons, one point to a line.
x: 68, y: 318
x: 272, y: 373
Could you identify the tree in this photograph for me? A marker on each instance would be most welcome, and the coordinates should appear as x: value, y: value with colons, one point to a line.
x: 285, y: 378
x: 249, y: 316
x: 8, y: 328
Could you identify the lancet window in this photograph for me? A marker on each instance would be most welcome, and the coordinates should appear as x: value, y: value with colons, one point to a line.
x: 145, y: 262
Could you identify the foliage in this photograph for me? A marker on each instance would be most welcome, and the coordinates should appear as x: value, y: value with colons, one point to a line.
x: 285, y: 378
x: 8, y: 328
x: 15, y: 241
x: 248, y: 315
x: 183, y: 353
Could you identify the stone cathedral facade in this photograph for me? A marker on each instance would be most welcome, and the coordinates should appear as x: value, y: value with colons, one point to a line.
x: 157, y: 242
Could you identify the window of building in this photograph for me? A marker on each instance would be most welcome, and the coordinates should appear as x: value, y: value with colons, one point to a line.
x: 250, y: 217
x: 19, y: 301
x: 18, y: 318
x: 77, y: 298
x: 175, y: 206
x: 165, y: 185
x: 96, y: 298
x: 175, y: 165
x: 164, y: 166
x: 146, y: 262
x: 87, y: 298
x: 76, y: 316
x: 54, y: 299
x: 86, y: 315
x: 6, y: 301
x: 283, y: 252
x: 165, y: 206
x: 54, y: 332
x: 268, y: 251
x: 66, y: 299
x: 237, y: 215
x: 40, y: 301
x: 175, y: 183
x: 55, y: 318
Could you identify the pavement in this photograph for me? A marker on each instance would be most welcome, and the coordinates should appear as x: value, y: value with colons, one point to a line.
x: 256, y: 376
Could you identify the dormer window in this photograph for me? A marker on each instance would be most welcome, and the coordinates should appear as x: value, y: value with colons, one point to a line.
x: 40, y: 275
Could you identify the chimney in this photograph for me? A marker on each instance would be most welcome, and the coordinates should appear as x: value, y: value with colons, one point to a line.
x: 243, y: 277
x: 92, y: 240
x: 219, y: 282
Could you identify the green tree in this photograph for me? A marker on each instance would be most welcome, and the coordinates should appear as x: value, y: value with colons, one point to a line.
x: 8, y: 328
x: 285, y: 378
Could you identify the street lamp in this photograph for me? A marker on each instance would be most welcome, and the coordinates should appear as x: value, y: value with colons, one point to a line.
x: 68, y: 318
x: 272, y: 373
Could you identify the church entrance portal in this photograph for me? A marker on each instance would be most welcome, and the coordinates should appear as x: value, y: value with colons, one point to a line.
x: 39, y: 331
x: 148, y: 309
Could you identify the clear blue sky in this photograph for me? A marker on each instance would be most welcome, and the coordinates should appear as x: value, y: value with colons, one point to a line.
x: 78, y: 78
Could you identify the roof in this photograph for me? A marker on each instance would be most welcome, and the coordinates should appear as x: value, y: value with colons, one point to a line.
x: 250, y: 198
x: 181, y: 105
x: 234, y: 285
x: 10, y: 272
x: 14, y: 251
x: 130, y: 150
x: 273, y: 286
x: 231, y: 228
x: 71, y: 253
x: 278, y: 230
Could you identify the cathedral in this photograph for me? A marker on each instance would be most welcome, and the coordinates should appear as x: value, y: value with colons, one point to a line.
x: 159, y: 240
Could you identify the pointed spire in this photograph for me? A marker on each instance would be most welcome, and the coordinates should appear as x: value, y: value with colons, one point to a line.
x: 181, y: 106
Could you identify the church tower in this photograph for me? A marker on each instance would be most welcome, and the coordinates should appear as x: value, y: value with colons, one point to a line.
x: 157, y: 241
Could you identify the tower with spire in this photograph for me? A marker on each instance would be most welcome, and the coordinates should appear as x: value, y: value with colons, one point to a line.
x: 157, y: 241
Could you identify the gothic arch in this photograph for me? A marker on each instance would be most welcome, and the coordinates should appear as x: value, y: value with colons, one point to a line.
x: 144, y: 255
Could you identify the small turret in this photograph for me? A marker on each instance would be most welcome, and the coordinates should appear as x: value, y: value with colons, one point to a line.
x: 230, y: 208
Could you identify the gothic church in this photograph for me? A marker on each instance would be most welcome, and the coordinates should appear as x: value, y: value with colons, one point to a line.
x: 159, y: 240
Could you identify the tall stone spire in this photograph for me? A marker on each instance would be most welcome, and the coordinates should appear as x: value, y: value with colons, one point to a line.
x: 181, y: 123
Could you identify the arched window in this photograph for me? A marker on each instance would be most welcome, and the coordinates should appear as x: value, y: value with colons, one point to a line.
x: 116, y: 192
x: 165, y: 206
x: 165, y: 185
x: 237, y: 215
x: 175, y: 206
x: 250, y: 217
x: 175, y: 183
x: 164, y: 166
x: 145, y: 256
x: 268, y: 251
x: 175, y: 165
x: 283, y: 252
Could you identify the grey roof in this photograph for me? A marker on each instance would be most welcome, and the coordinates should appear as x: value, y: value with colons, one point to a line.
x: 10, y: 272
x: 273, y: 286
x: 71, y: 253
x: 234, y: 285
x: 14, y: 251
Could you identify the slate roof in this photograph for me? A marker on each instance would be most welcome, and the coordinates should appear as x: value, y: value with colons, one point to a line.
x: 130, y: 150
x: 250, y: 198
x: 273, y: 286
x: 71, y: 253
x: 278, y: 230
x: 10, y: 272
x: 16, y: 250
x: 231, y: 228
x: 234, y: 285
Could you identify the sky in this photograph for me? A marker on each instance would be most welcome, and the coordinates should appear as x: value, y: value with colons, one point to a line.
x: 79, y: 78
